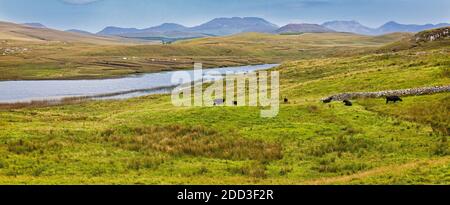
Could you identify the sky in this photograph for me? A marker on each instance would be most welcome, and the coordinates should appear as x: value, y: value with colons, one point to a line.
x: 94, y: 15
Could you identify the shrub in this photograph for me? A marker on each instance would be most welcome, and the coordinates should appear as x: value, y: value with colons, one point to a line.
x: 38, y: 171
x: 195, y: 141
x: 442, y: 147
x: 332, y: 165
x: 446, y: 73
x: 145, y: 162
x: 22, y: 147
x: 203, y: 170
x: 341, y: 144
x: 32, y: 145
x: 254, y: 169
x: 97, y: 171
x: 313, y: 108
x: 285, y: 170
x: 3, y: 164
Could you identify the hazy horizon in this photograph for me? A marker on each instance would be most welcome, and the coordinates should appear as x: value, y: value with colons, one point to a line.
x: 94, y: 15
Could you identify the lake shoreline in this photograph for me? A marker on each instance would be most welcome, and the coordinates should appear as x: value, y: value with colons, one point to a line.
x: 20, y: 94
x: 125, y: 75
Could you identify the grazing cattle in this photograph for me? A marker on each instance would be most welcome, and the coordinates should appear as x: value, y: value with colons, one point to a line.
x: 348, y: 103
x: 328, y: 100
x: 286, y: 101
x: 235, y: 103
x: 393, y: 99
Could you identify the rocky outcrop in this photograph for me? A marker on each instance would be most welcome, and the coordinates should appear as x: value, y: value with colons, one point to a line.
x: 404, y: 92
x: 433, y: 35
x: 12, y: 50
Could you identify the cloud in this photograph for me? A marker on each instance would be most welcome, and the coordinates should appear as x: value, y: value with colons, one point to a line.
x: 79, y: 2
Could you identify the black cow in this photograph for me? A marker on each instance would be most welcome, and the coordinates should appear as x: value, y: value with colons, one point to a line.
x: 286, y: 100
x: 328, y: 100
x: 393, y: 99
x: 235, y: 103
x: 348, y: 103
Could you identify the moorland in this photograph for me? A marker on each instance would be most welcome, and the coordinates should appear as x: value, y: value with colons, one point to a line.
x: 147, y: 140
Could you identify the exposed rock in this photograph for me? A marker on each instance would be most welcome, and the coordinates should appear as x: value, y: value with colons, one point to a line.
x: 404, y: 92
x: 13, y: 50
x: 433, y: 35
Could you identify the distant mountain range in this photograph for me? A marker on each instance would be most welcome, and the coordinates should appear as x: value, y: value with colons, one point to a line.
x: 303, y: 28
x: 348, y: 26
x: 228, y: 26
x: 234, y: 25
x: 396, y: 27
x: 390, y: 27
x: 166, y: 27
x: 116, y: 31
x: 215, y: 27
x: 79, y: 32
x: 34, y: 25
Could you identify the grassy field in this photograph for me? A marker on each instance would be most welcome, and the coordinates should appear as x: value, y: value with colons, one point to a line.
x: 74, y: 57
x: 148, y: 141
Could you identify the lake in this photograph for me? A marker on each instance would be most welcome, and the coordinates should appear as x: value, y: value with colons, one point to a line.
x: 119, y: 88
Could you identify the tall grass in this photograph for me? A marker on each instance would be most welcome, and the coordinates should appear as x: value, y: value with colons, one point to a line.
x: 197, y: 141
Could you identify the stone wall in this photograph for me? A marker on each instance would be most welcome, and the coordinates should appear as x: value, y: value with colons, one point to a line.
x: 404, y: 92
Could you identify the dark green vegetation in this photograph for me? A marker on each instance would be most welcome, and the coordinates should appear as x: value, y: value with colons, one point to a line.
x: 148, y: 141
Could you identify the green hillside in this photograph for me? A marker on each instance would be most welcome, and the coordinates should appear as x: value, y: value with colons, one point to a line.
x: 148, y: 141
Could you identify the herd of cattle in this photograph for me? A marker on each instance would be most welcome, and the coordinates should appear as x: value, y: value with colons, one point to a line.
x: 328, y: 100
x: 347, y: 102
x: 391, y: 95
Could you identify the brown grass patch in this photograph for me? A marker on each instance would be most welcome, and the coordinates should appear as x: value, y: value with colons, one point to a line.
x: 194, y: 141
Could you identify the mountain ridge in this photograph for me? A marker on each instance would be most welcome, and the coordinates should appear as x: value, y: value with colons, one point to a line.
x: 348, y: 26
x: 389, y: 27
x: 234, y: 25
x: 79, y: 31
x: 229, y: 26
x: 35, y: 25
x: 393, y: 26
x: 216, y: 27
x: 303, y: 28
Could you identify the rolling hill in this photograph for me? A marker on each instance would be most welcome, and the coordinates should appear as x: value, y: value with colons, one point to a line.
x: 435, y: 38
x: 90, y: 56
x: 11, y: 31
